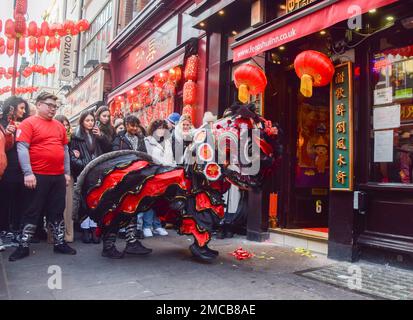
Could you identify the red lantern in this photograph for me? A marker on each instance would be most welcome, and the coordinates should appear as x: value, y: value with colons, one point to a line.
x: 2, y: 49
x: 314, y: 69
x: 41, y: 42
x: 2, y: 70
x: 32, y: 29
x: 68, y: 27
x: 9, y: 29
x: 2, y: 43
x: 57, y: 46
x: 21, y: 6
x: 189, y: 93
x: 52, y: 69
x: 75, y: 31
x: 22, y: 46
x: 45, y: 28
x: 32, y: 45
x: 10, y: 44
x: 60, y: 29
x: 83, y: 25
x: 187, y: 110
x: 175, y: 74
x: 51, y: 43
x: 20, y: 25
x: 10, y: 52
x: 191, y: 68
x: 249, y: 79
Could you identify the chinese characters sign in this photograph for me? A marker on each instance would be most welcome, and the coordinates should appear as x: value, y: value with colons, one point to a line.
x: 341, y: 113
x: 293, y: 5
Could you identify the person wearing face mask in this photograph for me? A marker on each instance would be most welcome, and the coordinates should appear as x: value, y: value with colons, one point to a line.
x: 86, y: 144
x: 159, y: 146
x: 108, y: 131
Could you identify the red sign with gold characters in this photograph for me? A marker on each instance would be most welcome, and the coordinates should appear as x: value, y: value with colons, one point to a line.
x: 341, y: 114
x: 292, y: 5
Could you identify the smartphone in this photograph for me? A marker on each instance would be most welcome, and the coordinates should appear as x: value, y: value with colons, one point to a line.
x: 97, y: 123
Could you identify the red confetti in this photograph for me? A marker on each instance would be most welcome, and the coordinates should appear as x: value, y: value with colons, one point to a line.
x: 241, y: 254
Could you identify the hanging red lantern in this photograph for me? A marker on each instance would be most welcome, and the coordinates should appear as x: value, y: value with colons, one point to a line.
x: 187, y: 110
x: 189, y: 93
x: 45, y: 28
x: 2, y: 70
x: 68, y: 27
x: 175, y: 74
x: 21, y: 7
x: 2, y: 49
x: 314, y: 69
x: 32, y: 29
x: 38, y: 33
x: 10, y: 70
x: 75, y: 31
x: 51, y: 69
x: 191, y: 68
x: 249, y: 79
x: 10, y: 52
x: 57, y: 46
x: 2, y: 42
x: 32, y: 45
x: 10, y: 44
x: 41, y: 42
x: 22, y: 46
x: 51, y: 43
x: 20, y: 25
x: 83, y: 25
x: 9, y: 29
x: 60, y: 29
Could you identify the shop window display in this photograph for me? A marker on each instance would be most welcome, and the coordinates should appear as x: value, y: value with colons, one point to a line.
x: 392, y: 116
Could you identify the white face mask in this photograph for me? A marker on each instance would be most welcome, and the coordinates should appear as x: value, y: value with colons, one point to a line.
x: 159, y: 133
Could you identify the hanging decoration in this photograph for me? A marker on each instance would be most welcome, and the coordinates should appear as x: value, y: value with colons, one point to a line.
x: 191, y: 68
x: 19, y: 91
x: 250, y: 80
x: 189, y: 94
x: 314, y: 69
x: 190, y: 86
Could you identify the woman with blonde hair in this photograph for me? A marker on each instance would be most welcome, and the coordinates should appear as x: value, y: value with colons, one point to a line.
x: 182, y: 137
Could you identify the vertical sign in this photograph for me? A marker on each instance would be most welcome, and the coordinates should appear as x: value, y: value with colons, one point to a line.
x: 67, y: 55
x: 341, y: 135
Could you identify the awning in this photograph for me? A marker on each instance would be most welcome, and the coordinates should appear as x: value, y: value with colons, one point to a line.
x: 282, y: 32
x: 175, y: 59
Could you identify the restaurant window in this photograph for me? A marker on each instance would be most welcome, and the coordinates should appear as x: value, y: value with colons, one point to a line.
x: 98, y: 37
x: 392, y: 115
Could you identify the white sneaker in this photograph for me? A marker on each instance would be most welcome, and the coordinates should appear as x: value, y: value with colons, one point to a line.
x: 160, y: 232
x: 147, y: 233
x: 2, y: 248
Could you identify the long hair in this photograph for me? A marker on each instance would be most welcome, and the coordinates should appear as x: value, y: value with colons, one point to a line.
x: 82, y: 118
x: 13, y: 101
x: 107, y: 129
x: 61, y: 118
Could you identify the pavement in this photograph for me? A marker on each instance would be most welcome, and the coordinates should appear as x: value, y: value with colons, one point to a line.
x: 170, y: 273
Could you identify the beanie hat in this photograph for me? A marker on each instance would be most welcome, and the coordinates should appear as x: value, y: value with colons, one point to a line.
x: 174, y: 118
x: 209, y: 117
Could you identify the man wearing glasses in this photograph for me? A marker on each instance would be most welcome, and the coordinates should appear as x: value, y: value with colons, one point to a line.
x: 44, y: 159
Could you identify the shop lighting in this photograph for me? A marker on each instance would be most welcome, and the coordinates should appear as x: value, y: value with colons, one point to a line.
x: 323, y: 32
x: 390, y: 18
x: 202, y: 24
x: 221, y: 12
x: 282, y: 48
x: 234, y: 33
x: 283, y: 7
x: 373, y: 11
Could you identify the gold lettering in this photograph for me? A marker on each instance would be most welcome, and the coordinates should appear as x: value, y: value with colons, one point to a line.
x: 341, y: 127
x: 339, y: 77
x: 340, y: 109
x: 341, y: 144
x: 341, y: 160
x: 341, y: 177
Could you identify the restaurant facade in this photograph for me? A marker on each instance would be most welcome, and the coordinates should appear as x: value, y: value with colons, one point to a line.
x: 346, y: 165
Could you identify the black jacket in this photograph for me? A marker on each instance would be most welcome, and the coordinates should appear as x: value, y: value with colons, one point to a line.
x: 78, y: 142
x: 122, y: 143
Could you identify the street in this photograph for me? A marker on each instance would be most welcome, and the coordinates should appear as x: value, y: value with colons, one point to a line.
x: 170, y: 273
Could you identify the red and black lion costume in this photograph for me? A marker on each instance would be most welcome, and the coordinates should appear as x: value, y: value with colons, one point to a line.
x: 116, y: 186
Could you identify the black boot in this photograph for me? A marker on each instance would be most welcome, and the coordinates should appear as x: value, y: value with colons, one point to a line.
x: 109, y: 248
x: 221, y: 232
x: 95, y: 237
x: 228, y: 231
x: 133, y: 245
x: 58, y: 232
x: 211, y: 251
x: 86, y: 236
x: 23, y: 250
x: 201, y: 252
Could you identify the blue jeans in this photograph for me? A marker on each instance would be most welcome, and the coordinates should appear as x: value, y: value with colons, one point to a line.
x: 150, y: 220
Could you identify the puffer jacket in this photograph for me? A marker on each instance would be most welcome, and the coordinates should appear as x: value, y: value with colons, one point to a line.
x: 78, y: 142
x: 160, y: 154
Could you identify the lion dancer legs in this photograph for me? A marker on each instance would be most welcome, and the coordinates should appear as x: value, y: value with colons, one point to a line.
x: 201, y: 236
x: 133, y: 245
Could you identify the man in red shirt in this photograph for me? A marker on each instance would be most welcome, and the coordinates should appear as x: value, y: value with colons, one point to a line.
x: 44, y: 158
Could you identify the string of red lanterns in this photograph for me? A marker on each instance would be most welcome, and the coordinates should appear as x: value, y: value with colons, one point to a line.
x: 27, y: 72
x: 190, y: 86
x: 21, y: 90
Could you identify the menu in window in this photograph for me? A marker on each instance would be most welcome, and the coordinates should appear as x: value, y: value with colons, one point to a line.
x: 383, y: 96
x: 386, y: 117
x: 383, y: 146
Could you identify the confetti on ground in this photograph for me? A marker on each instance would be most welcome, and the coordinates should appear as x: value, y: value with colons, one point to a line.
x: 241, y: 254
x: 303, y: 252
